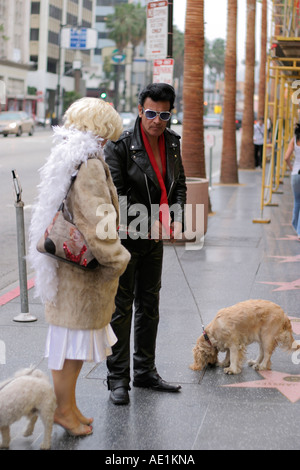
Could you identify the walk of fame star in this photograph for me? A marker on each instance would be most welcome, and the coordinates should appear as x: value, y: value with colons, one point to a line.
x: 294, y: 285
x: 295, y: 321
x: 287, y: 259
x: 288, y: 237
x: 287, y: 384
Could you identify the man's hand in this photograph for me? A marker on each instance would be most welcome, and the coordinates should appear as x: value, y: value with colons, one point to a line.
x: 176, y: 230
x: 158, y: 232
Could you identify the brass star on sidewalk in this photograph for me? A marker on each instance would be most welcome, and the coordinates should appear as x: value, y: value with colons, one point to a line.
x: 295, y: 321
x: 294, y: 285
x: 287, y: 259
x: 288, y: 237
x: 287, y: 384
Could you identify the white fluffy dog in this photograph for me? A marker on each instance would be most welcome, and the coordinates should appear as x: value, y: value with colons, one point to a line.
x: 234, y: 328
x: 29, y: 393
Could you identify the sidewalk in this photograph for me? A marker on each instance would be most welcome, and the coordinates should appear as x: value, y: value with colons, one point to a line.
x: 240, y: 260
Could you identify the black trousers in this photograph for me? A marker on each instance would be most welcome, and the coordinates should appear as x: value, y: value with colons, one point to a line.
x: 139, y: 286
x: 258, y: 154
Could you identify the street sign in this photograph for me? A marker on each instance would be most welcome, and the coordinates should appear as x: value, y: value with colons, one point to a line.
x: 163, y: 71
x: 157, y: 30
x: 210, y: 140
x: 40, y: 96
x: 117, y: 57
x: 79, y: 38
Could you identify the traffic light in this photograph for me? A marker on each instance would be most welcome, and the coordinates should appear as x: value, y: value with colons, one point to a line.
x: 103, y: 95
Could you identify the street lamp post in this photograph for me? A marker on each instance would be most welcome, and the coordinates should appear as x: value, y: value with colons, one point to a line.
x: 59, y: 72
x: 170, y: 36
x: 170, y: 28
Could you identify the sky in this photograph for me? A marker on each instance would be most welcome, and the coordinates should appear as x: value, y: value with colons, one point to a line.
x: 215, y: 24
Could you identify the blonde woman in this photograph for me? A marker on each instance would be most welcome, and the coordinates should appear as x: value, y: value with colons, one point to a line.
x: 78, y: 304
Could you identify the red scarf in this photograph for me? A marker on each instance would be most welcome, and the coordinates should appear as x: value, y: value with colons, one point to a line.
x: 164, y: 213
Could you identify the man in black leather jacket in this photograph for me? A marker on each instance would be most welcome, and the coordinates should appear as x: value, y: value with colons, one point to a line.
x: 147, y: 170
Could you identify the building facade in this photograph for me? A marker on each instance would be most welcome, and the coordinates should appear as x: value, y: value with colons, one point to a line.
x: 56, y: 69
x: 37, y: 68
x: 134, y: 68
x: 14, y: 56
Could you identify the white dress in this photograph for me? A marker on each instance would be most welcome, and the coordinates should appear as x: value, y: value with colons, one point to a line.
x: 85, y: 345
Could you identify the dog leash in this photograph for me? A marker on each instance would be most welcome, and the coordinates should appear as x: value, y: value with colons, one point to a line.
x: 32, y: 369
x: 190, y: 289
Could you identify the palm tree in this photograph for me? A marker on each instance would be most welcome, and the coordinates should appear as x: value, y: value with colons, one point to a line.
x: 137, y: 34
x: 193, y: 134
x: 126, y: 25
x: 247, y: 146
x: 2, y: 35
x: 263, y: 60
x: 178, y: 55
x: 229, y: 170
x: 217, y: 57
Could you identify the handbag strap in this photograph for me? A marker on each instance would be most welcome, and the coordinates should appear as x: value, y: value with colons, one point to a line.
x: 73, y: 178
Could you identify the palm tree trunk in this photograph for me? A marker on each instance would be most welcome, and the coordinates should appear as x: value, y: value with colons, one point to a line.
x: 263, y: 60
x: 229, y: 169
x: 193, y: 135
x: 247, y: 146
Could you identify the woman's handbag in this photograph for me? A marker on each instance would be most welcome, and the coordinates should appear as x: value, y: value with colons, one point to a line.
x: 64, y: 241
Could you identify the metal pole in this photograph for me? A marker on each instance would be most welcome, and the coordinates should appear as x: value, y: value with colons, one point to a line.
x: 19, y: 205
x: 170, y: 28
x: 210, y: 166
x: 58, y: 74
x: 58, y: 98
x: 170, y: 37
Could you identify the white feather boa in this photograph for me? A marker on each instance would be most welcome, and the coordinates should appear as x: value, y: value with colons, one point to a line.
x: 71, y: 148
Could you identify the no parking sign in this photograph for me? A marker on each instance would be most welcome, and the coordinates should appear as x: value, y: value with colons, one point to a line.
x: 163, y: 71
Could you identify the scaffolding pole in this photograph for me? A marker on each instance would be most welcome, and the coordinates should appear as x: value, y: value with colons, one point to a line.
x: 283, y: 72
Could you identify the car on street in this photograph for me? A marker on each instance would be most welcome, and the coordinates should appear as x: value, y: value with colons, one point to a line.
x: 238, y: 120
x: 16, y: 122
x: 213, y: 120
x: 128, y: 120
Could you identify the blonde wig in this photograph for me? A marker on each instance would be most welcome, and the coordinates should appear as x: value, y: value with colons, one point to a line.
x: 95, y: 115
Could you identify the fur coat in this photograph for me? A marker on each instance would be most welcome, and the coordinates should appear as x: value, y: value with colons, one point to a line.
x: 75, y: 298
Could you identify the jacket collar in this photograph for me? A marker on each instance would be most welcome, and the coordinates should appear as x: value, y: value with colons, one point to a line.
x: 137, y: 151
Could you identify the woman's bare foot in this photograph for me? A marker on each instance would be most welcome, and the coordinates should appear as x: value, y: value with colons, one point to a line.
x: 83, y: 419
x: 72, y: 424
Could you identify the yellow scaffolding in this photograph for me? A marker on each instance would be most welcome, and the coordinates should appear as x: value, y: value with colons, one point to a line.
x: 281, y: 102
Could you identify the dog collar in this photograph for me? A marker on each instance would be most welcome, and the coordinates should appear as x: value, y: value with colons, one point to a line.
x: 206, y: 337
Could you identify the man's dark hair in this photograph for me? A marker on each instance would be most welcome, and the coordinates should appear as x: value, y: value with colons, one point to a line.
x: 158, y: 92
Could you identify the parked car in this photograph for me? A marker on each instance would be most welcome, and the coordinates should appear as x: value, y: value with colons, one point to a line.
x: 213, y: 120
x: 128, y: 120
x: 238, y: 120
x: 16, y: 122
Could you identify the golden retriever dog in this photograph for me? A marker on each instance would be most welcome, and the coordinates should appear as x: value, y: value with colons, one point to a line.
x: 234, y: 328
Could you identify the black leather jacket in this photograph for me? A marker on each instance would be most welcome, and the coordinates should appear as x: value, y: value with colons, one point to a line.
x: 135, y: 178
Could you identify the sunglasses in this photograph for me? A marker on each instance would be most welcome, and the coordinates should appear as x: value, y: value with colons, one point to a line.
x: 163, y: 115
